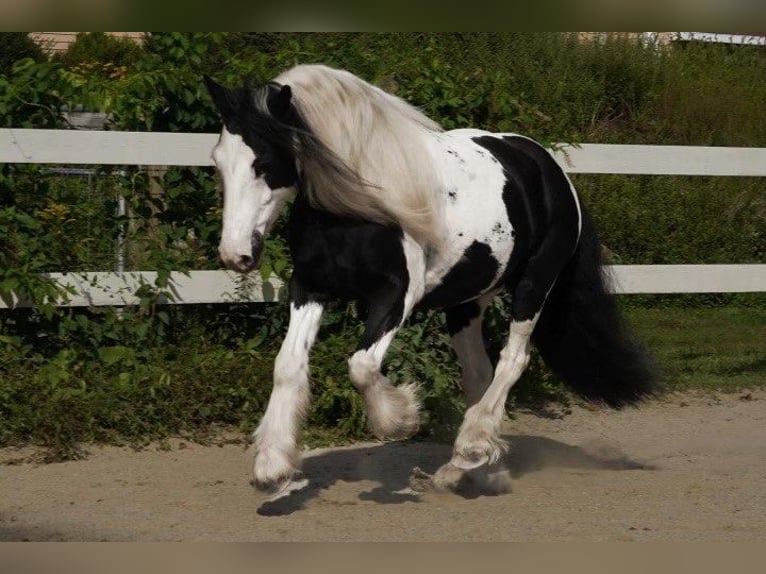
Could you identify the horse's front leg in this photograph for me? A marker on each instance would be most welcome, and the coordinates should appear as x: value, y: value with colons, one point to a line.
x: 392, y: 411
x: 277, y: 458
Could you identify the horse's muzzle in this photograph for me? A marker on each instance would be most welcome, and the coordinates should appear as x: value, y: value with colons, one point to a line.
x: 247, y: 263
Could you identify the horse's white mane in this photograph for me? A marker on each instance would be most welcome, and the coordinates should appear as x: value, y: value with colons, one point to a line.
x: 380, y: 138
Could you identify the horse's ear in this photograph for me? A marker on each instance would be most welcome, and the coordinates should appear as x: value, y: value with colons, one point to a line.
x: 224, y: 99
x: 279, y: 103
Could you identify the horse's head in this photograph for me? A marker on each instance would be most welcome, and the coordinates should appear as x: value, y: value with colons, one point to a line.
x: 255, y: 158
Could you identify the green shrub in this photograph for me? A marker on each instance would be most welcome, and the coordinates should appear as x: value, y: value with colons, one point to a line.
x: 31, y: 95
x: 15, y: 46
x: 101, y: 54
x: 676, y: 220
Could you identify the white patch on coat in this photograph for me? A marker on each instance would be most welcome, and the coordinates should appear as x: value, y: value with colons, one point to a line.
x: 468, y: 171
x: 471, y: 201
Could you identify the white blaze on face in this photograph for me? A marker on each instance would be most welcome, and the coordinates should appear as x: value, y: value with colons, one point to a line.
x: 248, y: 202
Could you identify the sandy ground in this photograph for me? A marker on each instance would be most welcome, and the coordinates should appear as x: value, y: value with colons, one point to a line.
x: 685, y: 468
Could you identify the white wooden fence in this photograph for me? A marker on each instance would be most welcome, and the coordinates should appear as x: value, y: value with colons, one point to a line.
x: 182, y: 149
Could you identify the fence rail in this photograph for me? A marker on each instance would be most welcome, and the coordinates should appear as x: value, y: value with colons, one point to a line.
x: 186, y: 149
x: 99, y: 289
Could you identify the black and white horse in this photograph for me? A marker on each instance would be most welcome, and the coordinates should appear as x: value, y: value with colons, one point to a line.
x: 394, y: 212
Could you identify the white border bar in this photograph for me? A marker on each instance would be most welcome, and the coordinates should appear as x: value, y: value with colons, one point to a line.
x: 105, y: 148
x: 98, y: 289
x: 633, y: 279
x: 717, y: 38
x: 148, y: 148
x: 662, y: 160
x: 155, y: 148
x: 118, y: 289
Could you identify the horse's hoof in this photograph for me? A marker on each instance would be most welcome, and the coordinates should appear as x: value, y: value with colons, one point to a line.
x: 420, y: 481
x: 470, y: 459
x: 448, y: 478
x: 272, y: 485
x: 477, y: 445
x: 274, y: 469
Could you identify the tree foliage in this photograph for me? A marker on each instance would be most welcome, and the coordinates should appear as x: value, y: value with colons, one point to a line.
x: 15, y: 46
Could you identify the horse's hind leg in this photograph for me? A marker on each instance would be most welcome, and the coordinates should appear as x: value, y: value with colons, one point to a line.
x: 478, y: 441
x: 392, y: 412
x: 464, y: 324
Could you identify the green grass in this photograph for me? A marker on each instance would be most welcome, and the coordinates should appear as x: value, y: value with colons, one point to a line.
x: 717, y: 349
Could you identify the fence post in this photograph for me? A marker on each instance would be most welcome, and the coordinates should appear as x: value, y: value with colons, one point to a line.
x: 122, y: 212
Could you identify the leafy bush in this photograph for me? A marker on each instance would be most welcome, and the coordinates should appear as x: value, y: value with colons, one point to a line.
x: 15, y: 46
x: 676, y: 220
x: 709, y: 95
x: 31, y: 95
x: 101, y: 54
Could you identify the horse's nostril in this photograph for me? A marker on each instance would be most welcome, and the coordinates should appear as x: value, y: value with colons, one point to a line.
x: 245, y: 262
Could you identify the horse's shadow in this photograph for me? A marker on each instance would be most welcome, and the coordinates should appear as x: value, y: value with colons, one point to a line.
x: 390, y: 465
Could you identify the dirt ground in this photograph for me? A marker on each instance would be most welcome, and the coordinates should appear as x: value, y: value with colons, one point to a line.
x: 684, y: 468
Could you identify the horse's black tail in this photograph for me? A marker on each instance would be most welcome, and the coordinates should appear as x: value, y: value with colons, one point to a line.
x: 582, y: 337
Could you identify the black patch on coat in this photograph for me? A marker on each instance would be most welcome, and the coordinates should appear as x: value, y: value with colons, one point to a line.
x: 301, y: 295
x: 544, y: 216
x: 471, y: 276
x: 459, y: 317
x: 337, y: 257
x: 543, y: 213
x: 268, y: 132
x: 522, y: 195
